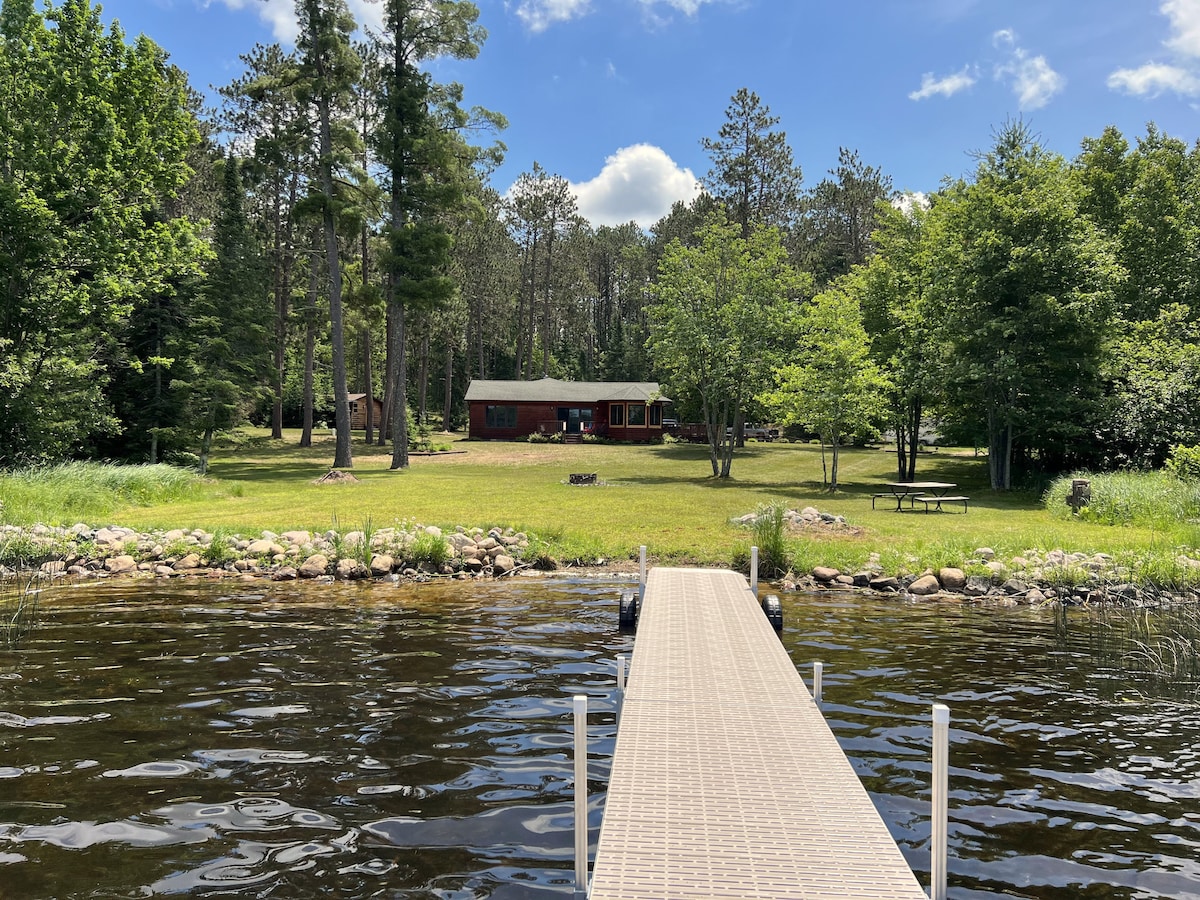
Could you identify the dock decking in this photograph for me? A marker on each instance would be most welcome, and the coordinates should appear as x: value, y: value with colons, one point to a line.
x: 726, y: 781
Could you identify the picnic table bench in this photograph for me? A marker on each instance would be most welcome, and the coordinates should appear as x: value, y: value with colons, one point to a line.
x: 939, y: 501
x: 914, y: 491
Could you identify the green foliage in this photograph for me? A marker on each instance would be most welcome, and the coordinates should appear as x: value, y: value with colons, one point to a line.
x: 718, y: 321
x: 835, y: 389
x: 1184, y: 462
x: 19, y: 605
x: 1022, y: 293
x: 95, y: 138
x: 428, y: 549
x: 770, y: 536
x: 84, y: 491
x: 1130, y: 498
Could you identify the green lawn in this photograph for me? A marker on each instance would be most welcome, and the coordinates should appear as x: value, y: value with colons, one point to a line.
x: 661, y: 496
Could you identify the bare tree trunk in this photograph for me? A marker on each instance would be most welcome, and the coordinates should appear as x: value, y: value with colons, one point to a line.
x: 448, y: 387
x: 423, y: 379
x: 368, y: 384
x: 310, y: 349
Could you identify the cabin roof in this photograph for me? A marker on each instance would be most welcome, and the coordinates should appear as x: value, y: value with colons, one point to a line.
x: 551, y: 390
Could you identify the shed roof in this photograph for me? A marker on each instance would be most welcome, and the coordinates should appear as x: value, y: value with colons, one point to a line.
x: 551, y: 390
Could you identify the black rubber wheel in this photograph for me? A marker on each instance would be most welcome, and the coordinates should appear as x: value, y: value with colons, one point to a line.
x: 627, y: 619
x: 774, y: 611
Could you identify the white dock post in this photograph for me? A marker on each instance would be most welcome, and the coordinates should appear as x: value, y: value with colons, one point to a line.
x: 642, y: 576
x: 621, y: 674
x: 581, y: 817
x: 818, y: 673
x: 754, y: 570
x: 941, y: 765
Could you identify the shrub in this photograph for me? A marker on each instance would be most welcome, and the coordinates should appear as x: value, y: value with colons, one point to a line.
x: 430, y: 549
x: 1184, y: 462
x: 1130, y: 498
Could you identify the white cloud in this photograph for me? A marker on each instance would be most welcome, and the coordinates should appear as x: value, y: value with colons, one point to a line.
x: 946, y: 87
x: 1031, y: 78
x: 687, y: 7
x: 1185, y: 23
x: 1152, y: 79
x: 280, y: 15
x: 538, y: 15
x: 637, y: 183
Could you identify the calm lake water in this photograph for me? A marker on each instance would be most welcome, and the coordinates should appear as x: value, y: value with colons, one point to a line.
x: 384, y: 741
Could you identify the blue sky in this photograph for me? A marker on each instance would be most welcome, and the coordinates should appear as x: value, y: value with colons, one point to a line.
x: 615, y: 95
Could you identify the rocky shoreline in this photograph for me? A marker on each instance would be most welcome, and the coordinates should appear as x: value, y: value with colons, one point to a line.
x: 416, y: 552
x: 422, y: 553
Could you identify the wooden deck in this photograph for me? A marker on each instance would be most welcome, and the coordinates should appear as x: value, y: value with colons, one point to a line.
x: 726, y: 781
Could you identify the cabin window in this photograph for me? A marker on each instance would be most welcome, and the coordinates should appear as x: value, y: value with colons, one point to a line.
x: 500, y: 416
x: 616, y: 414
x: 656, y: 416
x: 637, y: 415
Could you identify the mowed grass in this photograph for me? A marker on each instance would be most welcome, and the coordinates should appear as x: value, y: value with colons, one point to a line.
x: 660, y: 496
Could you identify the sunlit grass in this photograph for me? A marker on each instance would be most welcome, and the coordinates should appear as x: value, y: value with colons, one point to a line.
x: 660, y: 496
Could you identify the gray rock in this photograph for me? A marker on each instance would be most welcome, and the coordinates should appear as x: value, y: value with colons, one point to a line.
x: 1015, y: 586
x: 863, y: 579
x: 382, y: 564
x: 976, y: 586
x: 314, y: 567
x: 284, y: 573
x: 349, y: 569
x: 121, y: 565
x: 1035, y: 597
x: 925, y: 585
x: 847, y: 580
x: 825, y: 573
x: 952, y: 579
x: 264, y: 547
x: 985, y: 553
x: 297, y: 537
x: 885, y: 583
x: 503, y: 564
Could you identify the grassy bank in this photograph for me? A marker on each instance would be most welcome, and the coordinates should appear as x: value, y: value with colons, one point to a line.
x: 660, y: 496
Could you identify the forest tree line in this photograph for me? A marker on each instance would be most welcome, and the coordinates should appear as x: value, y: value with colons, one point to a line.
x: 170, y: 271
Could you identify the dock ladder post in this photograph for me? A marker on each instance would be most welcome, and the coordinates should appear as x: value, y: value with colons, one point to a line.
x: 754, y: 570
x: 940, y: 791
x: 581, y: 816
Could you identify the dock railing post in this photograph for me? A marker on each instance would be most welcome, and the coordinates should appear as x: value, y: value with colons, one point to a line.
x: 818, y: 673
x: 754, y: 570
x: 581, y: 815
x: 941, y: 765
x: 642, y: 574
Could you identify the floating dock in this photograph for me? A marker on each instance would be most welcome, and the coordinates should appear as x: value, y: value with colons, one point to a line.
x: 726, y: 780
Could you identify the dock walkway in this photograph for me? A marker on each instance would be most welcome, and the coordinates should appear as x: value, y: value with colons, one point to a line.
x: 726, y: 780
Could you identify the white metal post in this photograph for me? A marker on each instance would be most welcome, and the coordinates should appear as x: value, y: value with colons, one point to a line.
x: 818, y: 672
x: 754, y: 570
x: 642, y: 576
x: 581, y: 817
x: 621, y: 674
x: 941, y: 765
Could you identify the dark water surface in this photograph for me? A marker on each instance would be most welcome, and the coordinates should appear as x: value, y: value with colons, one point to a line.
x: 382, y: 741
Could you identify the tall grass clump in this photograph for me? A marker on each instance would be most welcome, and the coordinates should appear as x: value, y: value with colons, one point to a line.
x: 19, y: 607
x: 770, y: 537
x: 79, y: 491
x: 1130, y: 498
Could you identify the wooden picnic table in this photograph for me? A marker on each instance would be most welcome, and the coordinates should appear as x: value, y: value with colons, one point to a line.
x: 902, y: 489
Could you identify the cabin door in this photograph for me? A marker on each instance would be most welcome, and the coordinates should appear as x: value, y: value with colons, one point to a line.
x: 575, y: 419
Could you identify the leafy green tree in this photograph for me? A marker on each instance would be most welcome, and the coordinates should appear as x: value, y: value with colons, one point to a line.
x: 1024, y: 287
x: 94, y: 137
x: 894, y: 286
x: 835, y: 389
x: 753, y: 172
x: 1153, y: 368
x: 717, y: 320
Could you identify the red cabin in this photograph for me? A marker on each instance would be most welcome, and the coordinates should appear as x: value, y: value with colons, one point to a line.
x: 621, y: 410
